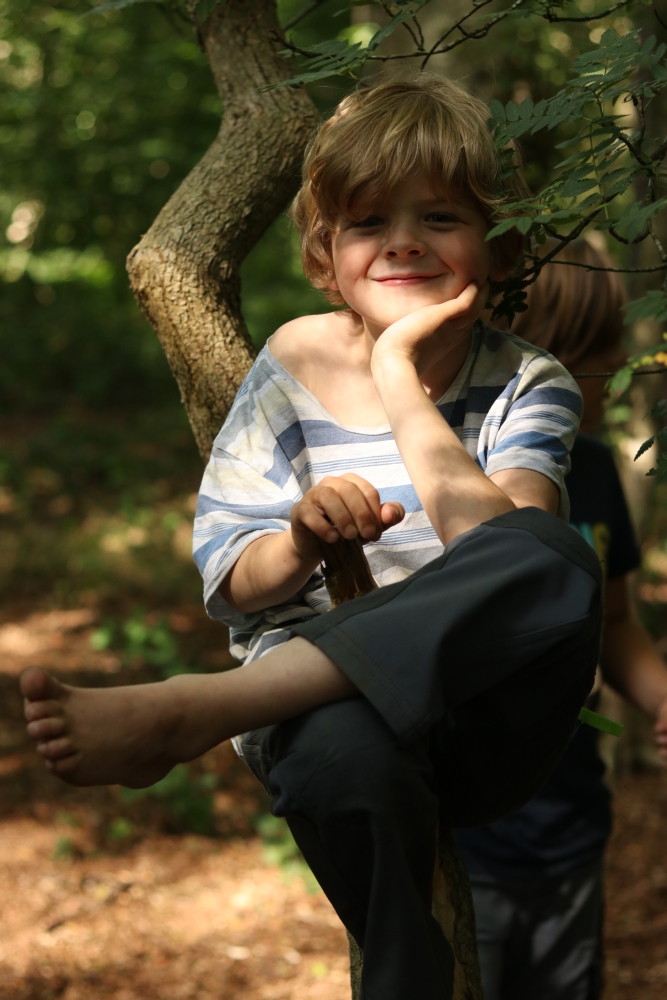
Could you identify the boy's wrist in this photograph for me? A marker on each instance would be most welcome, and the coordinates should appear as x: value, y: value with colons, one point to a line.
x: 390, y: 365
x: 305, y: 557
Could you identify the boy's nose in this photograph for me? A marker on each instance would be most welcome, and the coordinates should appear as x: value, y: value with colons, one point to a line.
x: 403, y: 246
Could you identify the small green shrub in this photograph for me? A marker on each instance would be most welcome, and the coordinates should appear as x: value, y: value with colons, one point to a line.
x: 281, y: 849
x: 187, y: 799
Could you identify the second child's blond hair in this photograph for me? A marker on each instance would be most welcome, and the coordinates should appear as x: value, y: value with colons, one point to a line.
x: 379, y: 137
x: 574, y: 313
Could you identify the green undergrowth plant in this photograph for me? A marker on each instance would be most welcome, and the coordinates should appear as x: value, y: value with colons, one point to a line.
x: 186, y: 797
x: 140, y: 641
x: 281, y: 850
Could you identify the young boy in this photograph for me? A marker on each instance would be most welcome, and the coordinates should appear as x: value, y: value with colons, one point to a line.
x: 537, y: 875
x: 451, y: 690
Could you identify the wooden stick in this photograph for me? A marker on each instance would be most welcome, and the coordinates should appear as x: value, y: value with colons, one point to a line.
x: 346, y: 571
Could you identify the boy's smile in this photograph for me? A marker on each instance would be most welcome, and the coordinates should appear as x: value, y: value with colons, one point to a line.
x: 417, y: 248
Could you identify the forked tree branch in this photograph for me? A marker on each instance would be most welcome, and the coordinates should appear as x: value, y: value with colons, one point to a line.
x: 185, y: 270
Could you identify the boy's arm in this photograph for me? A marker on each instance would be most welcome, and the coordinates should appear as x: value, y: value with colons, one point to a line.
x: 455, y: 493
x: 630, y: 662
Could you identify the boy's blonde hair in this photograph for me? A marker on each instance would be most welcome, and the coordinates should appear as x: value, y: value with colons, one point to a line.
x: 574, y: 313
x: 380, y: 136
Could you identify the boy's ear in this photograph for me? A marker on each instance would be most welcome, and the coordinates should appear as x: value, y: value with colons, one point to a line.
x: 333, y: 285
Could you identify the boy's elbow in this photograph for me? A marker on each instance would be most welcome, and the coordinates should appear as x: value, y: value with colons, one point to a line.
x: 527, y: 488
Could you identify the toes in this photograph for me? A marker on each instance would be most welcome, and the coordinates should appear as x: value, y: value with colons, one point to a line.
x: 56, y: 749
x: 37, y: 685
x: 34, y: 710
x: 65, y: 766
x: 46, y: 729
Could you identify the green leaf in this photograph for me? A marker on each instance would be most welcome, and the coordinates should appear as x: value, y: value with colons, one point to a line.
x: 411, y: 9
x: 204, y: 8
x: 644, y: 447
x: 653, y: 305
x: 497, y: 111
x: 635, y: 219
x: 501, y: 228
x: 600, y: 722
x: 621, y: 381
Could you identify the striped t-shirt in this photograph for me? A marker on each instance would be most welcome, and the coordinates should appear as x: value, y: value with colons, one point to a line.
x: 512, y: 405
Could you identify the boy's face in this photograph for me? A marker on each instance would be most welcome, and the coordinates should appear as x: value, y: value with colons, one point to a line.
x: 416, y: 248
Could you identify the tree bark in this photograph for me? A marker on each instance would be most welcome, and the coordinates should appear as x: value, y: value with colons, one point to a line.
x: 453, y: 909
x: 185, y: 270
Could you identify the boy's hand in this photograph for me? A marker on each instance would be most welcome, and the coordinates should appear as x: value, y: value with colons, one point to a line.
x: 340, y: 507
x: 418, y: 336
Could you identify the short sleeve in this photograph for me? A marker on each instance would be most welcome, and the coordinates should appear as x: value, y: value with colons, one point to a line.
x: 247, y: 491
x: 537, y: 418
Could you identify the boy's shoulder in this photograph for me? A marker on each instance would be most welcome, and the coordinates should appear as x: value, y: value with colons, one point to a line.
x: 505, y: 354
x: 310, y: 340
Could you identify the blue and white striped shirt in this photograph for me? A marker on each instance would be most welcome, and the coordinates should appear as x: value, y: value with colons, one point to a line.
x: 512, y: 405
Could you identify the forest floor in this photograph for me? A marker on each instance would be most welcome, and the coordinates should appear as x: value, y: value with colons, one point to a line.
x: 110, y: 895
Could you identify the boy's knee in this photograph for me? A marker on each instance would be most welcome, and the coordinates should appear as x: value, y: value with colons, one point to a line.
x: 342, y: 758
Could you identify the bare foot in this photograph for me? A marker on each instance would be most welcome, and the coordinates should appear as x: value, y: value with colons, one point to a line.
x: 134, y: 735
x: 103, y: 736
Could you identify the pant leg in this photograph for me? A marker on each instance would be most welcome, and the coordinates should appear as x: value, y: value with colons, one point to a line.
x: 495, y: 912
x: 519, y: 591
x: 364, y: 814
x: 548, y: 931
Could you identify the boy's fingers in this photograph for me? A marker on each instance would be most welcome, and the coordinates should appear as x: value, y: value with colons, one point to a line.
x: 392, y: 513
x: 371, y: 494
x: 349, y: 508
x: 313, y: 519
x: 336, y: 508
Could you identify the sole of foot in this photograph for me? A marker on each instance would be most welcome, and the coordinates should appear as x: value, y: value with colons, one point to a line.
x: 100, y: 736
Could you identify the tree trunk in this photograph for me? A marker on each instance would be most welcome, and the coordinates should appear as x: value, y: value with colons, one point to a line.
x: 453, y: 909
x: 185, y: 270
x: 185, y: 275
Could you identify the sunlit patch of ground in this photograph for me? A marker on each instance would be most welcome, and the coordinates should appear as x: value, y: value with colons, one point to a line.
x: 636, y: 889
x: 51, y: 639
x: 171, y: 918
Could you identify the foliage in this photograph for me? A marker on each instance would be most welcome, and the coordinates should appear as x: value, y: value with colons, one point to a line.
x: 280, y: 849
x: 187, y: 799
x: 659, y: 412
x: 139, y: 639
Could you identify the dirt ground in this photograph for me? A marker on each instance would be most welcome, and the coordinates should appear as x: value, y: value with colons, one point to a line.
x: 98, y: 899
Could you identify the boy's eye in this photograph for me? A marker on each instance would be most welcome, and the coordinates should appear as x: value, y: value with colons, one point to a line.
x: 370, y: 222
x: 441, y: 217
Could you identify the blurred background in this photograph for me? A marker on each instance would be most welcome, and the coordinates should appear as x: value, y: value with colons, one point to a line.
x: 190, y: 888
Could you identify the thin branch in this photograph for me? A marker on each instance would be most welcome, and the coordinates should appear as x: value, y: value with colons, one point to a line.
x: 304, y: 13
x: 612, y: 270
x: 555, y: 19
x: 657, y: 16
x: 458, y: 26
x: 653, y: 371
x: 420, y: 31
